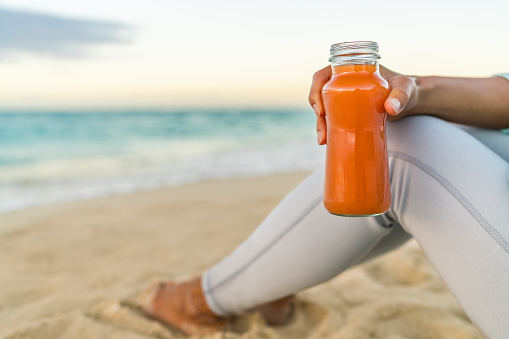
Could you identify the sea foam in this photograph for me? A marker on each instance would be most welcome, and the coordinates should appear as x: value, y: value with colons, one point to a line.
x: 56, y: 158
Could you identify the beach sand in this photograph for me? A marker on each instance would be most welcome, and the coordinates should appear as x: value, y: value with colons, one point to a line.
x: 69, y: 271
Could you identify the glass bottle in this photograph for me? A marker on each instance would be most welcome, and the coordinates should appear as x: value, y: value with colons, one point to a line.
x: 357, y: 171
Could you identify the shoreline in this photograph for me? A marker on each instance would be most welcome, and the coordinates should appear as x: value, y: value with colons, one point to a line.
x: 114, y: 193
x: 68, y: 270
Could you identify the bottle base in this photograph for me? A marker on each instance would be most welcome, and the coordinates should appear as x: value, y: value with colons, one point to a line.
x: 357, y: 216
x: 347, y: 210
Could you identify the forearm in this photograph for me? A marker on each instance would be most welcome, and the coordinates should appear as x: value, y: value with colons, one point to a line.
x: 482, y: 102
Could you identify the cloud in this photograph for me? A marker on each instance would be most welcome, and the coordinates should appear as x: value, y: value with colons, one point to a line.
x: 24, y: 31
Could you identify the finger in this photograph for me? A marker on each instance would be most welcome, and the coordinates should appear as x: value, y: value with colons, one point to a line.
x: 399, y: 96
x: 321, y: 130
x: 320, y: 78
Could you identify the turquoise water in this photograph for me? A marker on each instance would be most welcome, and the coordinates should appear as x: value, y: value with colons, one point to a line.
x: 51, y: 157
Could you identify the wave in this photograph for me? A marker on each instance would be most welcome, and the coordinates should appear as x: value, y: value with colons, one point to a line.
x: 79, y: 179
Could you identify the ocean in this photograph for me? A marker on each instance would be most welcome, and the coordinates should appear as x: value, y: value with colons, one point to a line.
x: 54, y: 157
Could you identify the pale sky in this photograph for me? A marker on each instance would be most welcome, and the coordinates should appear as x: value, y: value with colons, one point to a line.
x: 173, y: 54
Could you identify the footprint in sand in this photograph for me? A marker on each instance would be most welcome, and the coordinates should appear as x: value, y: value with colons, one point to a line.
x: 125, y: 314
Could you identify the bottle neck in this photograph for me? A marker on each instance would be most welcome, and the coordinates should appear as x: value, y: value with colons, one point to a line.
x: 371, y: 67
x: 354, y: 56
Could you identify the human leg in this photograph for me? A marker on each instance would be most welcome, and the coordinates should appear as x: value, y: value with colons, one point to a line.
x: 297, y: 246
x: 451, y: 193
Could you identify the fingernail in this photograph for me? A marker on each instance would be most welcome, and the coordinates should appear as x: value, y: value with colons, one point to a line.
x: 319, y: 137
x: 315, y: 108
x: 396, y: 105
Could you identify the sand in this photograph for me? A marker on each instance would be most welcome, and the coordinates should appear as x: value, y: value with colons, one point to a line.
x: 70, y: 271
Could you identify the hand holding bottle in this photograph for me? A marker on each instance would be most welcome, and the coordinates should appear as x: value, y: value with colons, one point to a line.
x: 400, y: 102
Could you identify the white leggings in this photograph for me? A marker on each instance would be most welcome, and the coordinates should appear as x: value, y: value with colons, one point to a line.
x: 450, y: 191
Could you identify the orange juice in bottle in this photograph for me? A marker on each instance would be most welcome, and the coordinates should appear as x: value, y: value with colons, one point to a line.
x: 356, y: 170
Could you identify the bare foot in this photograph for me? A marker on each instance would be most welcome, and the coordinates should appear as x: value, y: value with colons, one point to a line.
x: 183, y: 306
x: 180, y: 305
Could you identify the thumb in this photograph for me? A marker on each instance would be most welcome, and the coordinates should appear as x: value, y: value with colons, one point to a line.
x: 399, y: 96
x: 396, y: 101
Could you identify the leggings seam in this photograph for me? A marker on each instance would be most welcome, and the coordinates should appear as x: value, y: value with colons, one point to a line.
x: 260, y: 253
x: 456, y: 194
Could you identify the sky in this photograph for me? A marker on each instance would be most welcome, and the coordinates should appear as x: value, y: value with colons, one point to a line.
x: 158, y: 54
